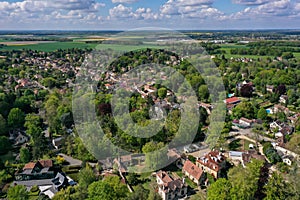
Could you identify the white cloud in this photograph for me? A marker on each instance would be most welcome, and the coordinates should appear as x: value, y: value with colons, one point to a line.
x: 190, y: 9
x: 271, y: 9
x: 124, y: 1
x: 251, y: 2
x: 120, y: 11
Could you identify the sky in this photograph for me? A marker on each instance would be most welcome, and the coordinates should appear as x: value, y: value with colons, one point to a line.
x: 131, y: 14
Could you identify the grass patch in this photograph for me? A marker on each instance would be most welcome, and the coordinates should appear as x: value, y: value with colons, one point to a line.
x: 239, y: 145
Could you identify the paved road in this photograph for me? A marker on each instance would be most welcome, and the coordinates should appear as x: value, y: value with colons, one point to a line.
x: 70, y: 160
x: 249, y: 133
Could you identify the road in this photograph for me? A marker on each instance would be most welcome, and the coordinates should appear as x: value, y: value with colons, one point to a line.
x: 70, y: 160
x: 249, y: 133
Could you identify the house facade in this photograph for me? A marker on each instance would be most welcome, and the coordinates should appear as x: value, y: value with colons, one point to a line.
x: 194, y: 173
x: 212, y: 163
x: 170, y: 188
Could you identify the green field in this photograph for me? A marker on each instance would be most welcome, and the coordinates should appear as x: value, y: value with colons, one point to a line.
x: 297, y: 55
x: 47, y: 47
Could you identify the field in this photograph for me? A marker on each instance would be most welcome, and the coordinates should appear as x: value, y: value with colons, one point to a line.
x: 47, y: 47
x: 52, y: 46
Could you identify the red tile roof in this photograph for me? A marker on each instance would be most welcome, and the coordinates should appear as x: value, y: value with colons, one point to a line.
x: 212, y: 160
x: 192, y: 170
x: 46, y: 163
x: 30, y: 165
x: 232, y: 100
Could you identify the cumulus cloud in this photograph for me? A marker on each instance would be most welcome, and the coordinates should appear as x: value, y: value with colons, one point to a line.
x: 190, y: 9
x: 272, y: 8
x: 47, y: 10
x: 122, y: 11
x: 251, y: 2
x: 124, y: 1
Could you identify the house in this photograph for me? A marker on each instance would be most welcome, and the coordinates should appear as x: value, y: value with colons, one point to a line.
x: 212, y: 163
x: 287, y: 160
x: 276, y: 125
x: 293, y: 119
x: 270, y: 88
x: 41, y: 169
x: 283, y: 99
x: 18, y: 138
x: 232, y: 100
x: 49, y: 187
x: 21, y: 139
x: 244, y: 157
x: 246, y: 122
x: 279, y: 108
x: 193, y: 172
x: 170, y: 188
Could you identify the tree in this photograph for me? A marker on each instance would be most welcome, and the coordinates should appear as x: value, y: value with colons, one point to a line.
x: 86, y: 177
x: 277, y: 188
x: 140, y: 193
x: 4, y: 145
x: 287, y: 55
x: 244, y: 181
x: 25, y: 156
x: 67, y: 120
x: 280, y: 89
x: 110, y: 188
x: 203, y: 92
x: 262, y: 114
x: 17, y: 192
x: 219, y: 190
x: 16, y: 118
x: 246, y: 90
x: 162, y: 93
x: 4, y: 177
x: 33, y: 125
x: 244, y: 109
x: 3, y: 126
x: 132, y: 179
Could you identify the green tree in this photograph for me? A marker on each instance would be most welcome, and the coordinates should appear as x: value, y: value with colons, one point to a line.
x: 110, y: 188
x: 17, y: 192
x: 162, y: 93
x: 5, y: 145
x: 16, y: 118
x: 203, y: 92
x: 244, y: 181
x: 33, y: 124
x: 86, y: 177
x: 140, y: 193
x: 3, y: 126
x: 262, y: 114
x: 244, y: 109
x: 25, y: 156
x: 277, y: 188
x: 4, y: 177
x: 219, y: 190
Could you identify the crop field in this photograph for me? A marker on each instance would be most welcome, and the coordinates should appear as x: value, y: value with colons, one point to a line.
x: 47, y: 47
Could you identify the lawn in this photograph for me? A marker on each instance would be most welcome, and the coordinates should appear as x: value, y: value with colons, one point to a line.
x: 239, y: 145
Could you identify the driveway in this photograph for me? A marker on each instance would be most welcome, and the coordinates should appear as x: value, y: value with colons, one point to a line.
x: 70, y: 160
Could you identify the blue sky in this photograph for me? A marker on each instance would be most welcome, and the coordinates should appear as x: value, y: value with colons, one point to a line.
x: 128, y: 14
